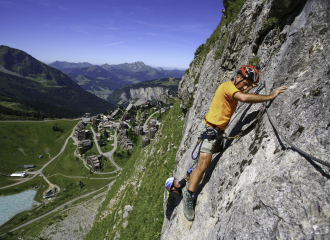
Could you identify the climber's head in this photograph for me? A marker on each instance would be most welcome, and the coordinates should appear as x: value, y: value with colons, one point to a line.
x: 171, y: 184
x: 246, y: 76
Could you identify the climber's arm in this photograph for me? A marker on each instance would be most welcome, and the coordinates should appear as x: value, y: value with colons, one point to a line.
x: 255, y: 98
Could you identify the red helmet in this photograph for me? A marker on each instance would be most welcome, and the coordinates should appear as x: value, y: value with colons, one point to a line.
x: 249, y: 72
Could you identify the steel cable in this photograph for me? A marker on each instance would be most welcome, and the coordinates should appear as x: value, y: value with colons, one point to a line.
x: 291, y: 144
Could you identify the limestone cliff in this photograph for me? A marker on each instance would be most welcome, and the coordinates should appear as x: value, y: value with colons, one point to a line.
x: 148, y: 93
x: 140, y: 95
x: 259, y: 188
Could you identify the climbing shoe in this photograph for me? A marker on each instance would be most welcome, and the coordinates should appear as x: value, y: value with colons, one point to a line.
x: 188, y: 207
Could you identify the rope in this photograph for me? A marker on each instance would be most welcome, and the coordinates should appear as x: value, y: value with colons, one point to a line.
x: 293, y: 146
x: 261, y: 111
x: 201, y: 142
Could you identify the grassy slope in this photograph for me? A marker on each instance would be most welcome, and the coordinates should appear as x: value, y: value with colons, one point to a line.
x: 22, y: 142
x: 67, y: 163
x: 12, y: 105
x: 65, y: 172
x: 142, y: 189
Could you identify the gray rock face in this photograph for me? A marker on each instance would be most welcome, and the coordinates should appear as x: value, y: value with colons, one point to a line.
x: 127, y: 209
x: 259, y: 188
x: 148, y: 93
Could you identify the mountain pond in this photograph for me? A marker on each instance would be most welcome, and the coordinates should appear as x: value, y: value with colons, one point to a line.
x: 13, y: 204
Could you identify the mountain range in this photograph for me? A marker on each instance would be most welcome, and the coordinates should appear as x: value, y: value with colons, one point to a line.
x: 105, y: 78
x: 32, y: 83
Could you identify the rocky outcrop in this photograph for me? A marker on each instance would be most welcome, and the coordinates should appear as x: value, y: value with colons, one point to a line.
x: 258, y: 187
x: 148, y: 93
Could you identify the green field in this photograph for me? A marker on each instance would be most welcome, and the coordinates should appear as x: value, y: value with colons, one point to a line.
x: 12, y: 105
x: 67, y: 164
x: 22, y: 142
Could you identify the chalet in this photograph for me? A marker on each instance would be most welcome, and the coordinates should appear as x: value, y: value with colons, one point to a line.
x: 84, y: 145
x: 19, y: 174
x: 81, y: 134
x: 139, y: 130
x: 152, y: 123
x: 29, y: 166
x: 170, y: 93
x: 152, y: 132
x: 94, y: 162
x: 98, y: 136
x: 125, y: 143
x: 145, y: 141
x: 81, y: 125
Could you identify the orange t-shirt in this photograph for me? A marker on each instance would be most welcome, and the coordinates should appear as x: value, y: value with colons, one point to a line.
x: 223, y: 105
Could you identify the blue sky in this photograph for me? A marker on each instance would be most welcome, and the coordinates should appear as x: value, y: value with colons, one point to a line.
x: 162, y: 33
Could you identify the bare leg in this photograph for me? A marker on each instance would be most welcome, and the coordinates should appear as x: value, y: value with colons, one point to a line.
x: 204, y: 161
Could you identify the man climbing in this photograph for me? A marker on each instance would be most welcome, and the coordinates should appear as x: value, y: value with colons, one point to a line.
x: 174, y: 194
x: 222, y: 108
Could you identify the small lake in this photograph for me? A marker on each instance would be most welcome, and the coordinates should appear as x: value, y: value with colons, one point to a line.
x: 13, y: 204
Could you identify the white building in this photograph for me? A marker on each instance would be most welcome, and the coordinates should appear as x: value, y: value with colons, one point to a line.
x: 19, y: 174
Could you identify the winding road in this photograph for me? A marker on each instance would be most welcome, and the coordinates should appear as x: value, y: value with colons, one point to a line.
x: 59, y: 207
x: 145, y: 125
x: 108, y: 154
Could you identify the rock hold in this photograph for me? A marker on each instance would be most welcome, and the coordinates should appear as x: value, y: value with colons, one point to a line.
x: 127, y: 209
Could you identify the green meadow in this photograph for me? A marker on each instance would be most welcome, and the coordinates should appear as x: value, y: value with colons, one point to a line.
x: 67, y: 164
x: 12, y: 105
x: 22, y: 142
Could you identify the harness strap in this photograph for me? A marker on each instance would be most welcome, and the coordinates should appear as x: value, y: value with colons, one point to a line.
x: 201, y: 140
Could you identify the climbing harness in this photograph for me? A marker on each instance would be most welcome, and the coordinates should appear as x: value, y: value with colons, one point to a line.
x: 201, y: 139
